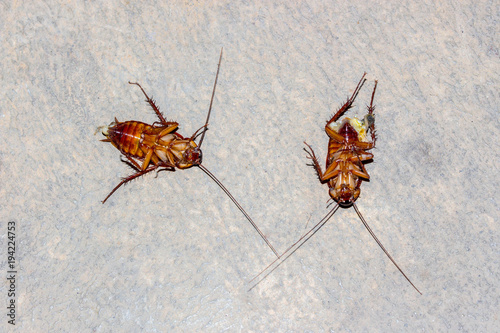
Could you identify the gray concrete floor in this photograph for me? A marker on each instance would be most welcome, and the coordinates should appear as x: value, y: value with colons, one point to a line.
x: 171, y: 252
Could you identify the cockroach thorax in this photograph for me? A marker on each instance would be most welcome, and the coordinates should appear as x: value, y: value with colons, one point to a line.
x: 352, y: 127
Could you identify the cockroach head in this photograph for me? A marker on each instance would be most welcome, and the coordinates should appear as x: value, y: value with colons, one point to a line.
x: 193, y: 155
x: 346, y: 204
x: 345, y: 196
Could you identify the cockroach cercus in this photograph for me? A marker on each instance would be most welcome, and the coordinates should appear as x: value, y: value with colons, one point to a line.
x: 345, y: 171
x: 160, y: 147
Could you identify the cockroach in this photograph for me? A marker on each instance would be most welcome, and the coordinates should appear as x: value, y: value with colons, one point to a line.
x: 345, y: 171
x: 160, y: 147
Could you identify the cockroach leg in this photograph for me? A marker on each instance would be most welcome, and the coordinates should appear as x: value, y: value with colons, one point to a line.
x: 129, y: 178
x: 152, y: 103
x: 371, y: 120
x: 315, y: 163
x: 349, y: 102
x: 134, y: 163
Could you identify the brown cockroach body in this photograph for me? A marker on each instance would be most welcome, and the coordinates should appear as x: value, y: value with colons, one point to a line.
x: 347, y: 152
x: 345, y: 171
x: 160, y: 147
x: 156, y: 146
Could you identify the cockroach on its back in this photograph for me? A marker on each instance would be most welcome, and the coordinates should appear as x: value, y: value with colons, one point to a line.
x: 345, y: 171
x: 160, y: 147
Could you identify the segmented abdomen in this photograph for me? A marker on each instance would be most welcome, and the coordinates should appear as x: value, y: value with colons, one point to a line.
x: 344, y: 162
x: 127, y: 137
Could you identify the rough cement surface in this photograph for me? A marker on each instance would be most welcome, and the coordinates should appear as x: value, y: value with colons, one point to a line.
x: 171, y: 252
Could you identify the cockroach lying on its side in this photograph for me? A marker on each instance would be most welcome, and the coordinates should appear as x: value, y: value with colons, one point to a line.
x: 345, y: 170
x: 160, y: 147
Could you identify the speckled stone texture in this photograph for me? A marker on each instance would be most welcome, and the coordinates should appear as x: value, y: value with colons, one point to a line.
x: 170, y: 252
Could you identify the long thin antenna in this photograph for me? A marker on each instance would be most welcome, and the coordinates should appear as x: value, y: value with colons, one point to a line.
x: 304, y: 237
x: 211, y: 100
x: 211, y: 175
x: 381, y: 246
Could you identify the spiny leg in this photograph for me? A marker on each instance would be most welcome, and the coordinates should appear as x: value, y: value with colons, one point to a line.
x: 349, y: 102
x: 314, y: 159
x: 371, y: 108
x: 129, y: 178
x: 132, y: 163
x: 152, y: 103
x: 211, y: 102
x: 364, y: 173
x: 159, y: 163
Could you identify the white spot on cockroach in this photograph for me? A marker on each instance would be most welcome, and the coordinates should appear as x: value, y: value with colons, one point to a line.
x: 102, y: 129
x: 360, y: 126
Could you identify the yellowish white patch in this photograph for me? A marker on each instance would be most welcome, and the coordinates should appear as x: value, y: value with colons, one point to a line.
x: 360, y: 126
